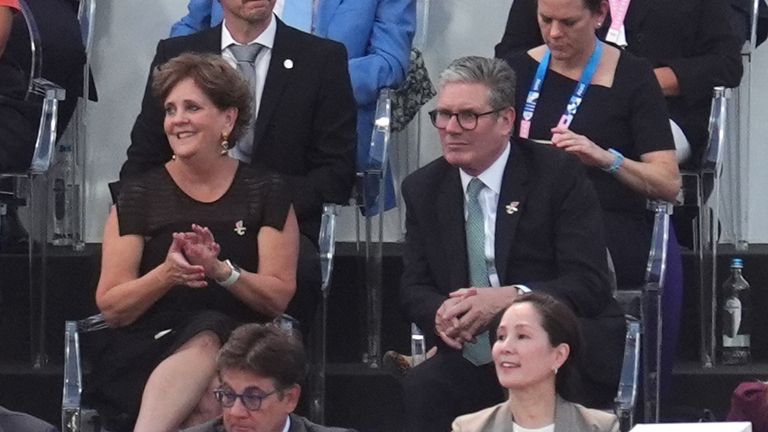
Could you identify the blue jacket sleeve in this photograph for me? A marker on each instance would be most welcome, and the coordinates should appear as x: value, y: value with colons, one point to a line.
x: 387, y: 59
x: 198, y: 18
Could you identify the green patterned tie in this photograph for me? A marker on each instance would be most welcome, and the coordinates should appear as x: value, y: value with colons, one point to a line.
x: 479, y: 352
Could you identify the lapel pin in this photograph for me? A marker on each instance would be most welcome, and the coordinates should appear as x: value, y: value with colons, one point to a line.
x: 239, y: 228
x: 288, y: 64
x: 512, y: 207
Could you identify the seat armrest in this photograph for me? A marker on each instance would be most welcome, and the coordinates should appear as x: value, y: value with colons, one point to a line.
x: 626, y: 397
x: 72, y: 388
x: 657, y: 256
x: 47, y: 131
x: 718, y: 118
x: 48, y: 90
x: 371, y: 180
x: 327, y: 243
x: 73, y: 379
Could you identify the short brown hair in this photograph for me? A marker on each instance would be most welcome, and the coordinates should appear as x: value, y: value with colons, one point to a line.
x: 219, y: 81
x: 494, y: 73
x: 266, y: 350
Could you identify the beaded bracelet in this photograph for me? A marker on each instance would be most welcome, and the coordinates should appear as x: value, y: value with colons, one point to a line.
x: 617, y: 162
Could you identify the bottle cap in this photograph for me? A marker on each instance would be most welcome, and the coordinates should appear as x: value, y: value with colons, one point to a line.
x: 737, y: 263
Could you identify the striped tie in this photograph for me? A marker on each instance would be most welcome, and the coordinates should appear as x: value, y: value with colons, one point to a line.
x: 246, y: 58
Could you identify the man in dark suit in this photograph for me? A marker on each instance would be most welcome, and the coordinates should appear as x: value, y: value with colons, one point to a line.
x: 540, y: 229
x: 260, y: 370
x: 304, y: 126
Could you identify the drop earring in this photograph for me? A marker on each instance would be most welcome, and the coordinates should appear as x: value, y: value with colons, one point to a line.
x: 224, y: 143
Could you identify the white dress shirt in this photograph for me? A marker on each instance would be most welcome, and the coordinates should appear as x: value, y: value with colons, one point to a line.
x: 489, y: 201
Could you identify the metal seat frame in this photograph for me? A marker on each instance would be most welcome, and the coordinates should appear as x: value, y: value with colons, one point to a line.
x: 33, y: 184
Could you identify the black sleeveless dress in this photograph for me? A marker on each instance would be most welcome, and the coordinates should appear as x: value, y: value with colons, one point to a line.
x: 154, y: 207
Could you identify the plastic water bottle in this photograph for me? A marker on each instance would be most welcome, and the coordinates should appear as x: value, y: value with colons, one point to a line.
x: 64, y: 196
x: 736, y: 317
x: 418, y: 346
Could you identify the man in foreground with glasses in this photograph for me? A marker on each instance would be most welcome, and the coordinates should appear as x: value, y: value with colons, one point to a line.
x: 495, y: 217
x: 260, y: 370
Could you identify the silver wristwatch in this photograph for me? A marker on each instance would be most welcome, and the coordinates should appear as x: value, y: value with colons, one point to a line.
x: 233, y: 276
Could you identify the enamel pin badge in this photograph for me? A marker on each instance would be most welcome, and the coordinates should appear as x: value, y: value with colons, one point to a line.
x: 239, y: 228
x: 512, y: 207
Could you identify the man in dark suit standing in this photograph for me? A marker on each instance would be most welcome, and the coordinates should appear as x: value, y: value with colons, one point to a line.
x: 304, y: 126
x: 495, y: 217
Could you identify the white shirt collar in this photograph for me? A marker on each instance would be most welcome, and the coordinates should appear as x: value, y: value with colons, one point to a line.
x: 287, y: 424
x: 492, y: 176
x: 266, y: 38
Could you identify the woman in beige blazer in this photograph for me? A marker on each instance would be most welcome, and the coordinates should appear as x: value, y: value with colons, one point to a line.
x: 537, y: 339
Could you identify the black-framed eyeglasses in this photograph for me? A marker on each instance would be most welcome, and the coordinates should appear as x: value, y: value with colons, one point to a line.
x: 467, y: 119
x: 251, y: 398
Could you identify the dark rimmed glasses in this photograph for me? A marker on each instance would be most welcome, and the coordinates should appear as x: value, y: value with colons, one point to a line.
x: 467, y: 119
x: 251, y: 398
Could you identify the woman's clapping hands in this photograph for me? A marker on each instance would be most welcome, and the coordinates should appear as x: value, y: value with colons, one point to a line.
x: 179, y: 270
x: 193, y: 256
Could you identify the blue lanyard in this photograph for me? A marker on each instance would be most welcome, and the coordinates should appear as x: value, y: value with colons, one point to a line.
x: 576, y: 97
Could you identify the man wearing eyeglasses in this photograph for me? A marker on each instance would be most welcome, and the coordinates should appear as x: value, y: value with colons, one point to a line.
x: 260, y: 370
x: 495, y: 217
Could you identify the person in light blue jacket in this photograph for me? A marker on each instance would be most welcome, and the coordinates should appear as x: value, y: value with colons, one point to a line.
x: 377, y: 34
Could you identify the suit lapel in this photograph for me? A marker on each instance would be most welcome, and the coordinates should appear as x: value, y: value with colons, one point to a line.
x: 297, y: 424
x: 450, y: 220
x: 509, y: 209
x: 210, y: 40
x: 278, y: 75
x: 566, y: 418
x: 325, y: 12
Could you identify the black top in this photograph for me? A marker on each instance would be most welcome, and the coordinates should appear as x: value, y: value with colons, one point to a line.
x: 630, y: 116
x: 152, y: 205
x: 693, y: 37
x: 155, y: 207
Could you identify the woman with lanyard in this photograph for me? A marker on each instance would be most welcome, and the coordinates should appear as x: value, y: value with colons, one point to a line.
x: 605, y: 107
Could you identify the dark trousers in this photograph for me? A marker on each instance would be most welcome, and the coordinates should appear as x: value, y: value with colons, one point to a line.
x: 445, y: 387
